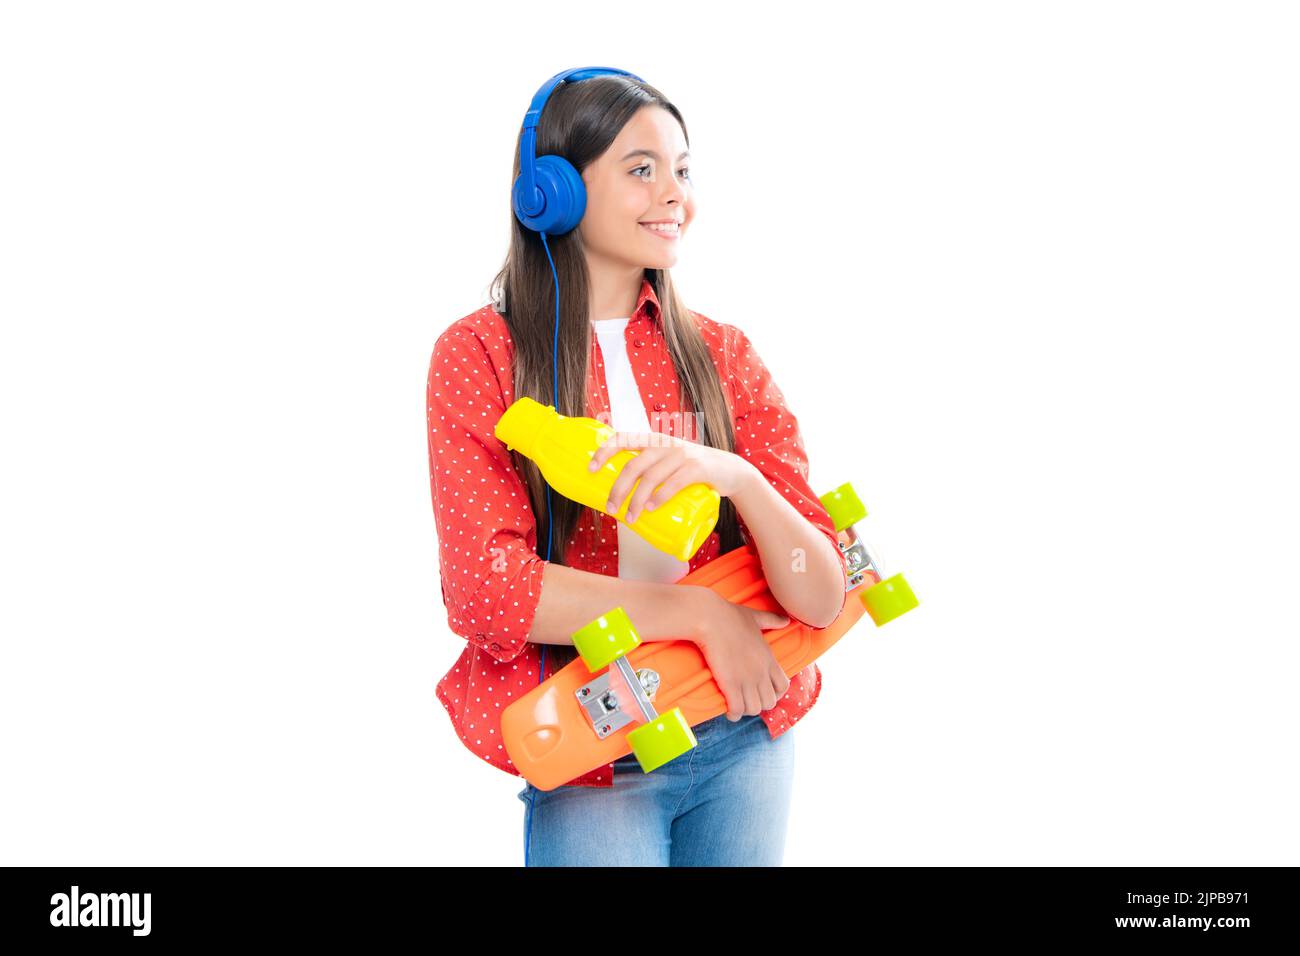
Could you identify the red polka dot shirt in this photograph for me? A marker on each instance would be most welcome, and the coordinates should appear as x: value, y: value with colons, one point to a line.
x: 482, y: 512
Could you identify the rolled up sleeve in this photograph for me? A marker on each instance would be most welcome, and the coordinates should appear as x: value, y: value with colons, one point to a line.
x: 491, y: 573
x: 767, y: 435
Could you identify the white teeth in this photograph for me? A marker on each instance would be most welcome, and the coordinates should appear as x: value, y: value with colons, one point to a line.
x: 661, y: 226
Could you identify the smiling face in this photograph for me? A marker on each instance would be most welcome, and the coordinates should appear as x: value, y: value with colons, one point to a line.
x: 624, y: 191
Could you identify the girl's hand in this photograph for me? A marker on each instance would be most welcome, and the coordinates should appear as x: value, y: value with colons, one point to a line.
x: 730, y: 636
x: 663, y: 465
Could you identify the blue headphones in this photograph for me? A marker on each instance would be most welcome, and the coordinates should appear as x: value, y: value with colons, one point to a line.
x: 549, y: 198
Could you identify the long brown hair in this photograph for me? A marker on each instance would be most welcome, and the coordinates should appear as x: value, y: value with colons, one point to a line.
x: 579, y: 122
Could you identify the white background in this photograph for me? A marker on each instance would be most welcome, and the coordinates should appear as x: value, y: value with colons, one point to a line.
x: 1026, y: 273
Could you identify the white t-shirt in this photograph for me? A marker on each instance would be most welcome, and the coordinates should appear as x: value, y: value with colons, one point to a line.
x: 638, y: 560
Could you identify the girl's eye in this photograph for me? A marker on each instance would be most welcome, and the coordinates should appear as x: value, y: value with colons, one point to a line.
x: 685, y: 170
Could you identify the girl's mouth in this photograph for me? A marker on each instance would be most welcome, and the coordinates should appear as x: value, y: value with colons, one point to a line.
x: 663, y: 232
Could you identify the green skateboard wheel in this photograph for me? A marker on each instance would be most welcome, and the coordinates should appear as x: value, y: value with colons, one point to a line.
x: 661, y: 740
x: 843, y: 506
x: 889, y: 599
x: 605, y: 639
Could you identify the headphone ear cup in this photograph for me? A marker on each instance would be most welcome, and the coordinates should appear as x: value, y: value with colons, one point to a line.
x: 563, y: 192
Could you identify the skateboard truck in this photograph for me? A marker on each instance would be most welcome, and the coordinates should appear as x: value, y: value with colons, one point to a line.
x: 888, y: 598
x: 858, y: 558
x: 602, y: 700
x: 621, y: 696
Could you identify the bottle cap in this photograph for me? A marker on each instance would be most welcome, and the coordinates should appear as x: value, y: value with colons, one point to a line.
x: 522, y: 423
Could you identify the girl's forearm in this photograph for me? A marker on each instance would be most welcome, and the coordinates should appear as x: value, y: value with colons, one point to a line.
x: 811, y: 590
x: 572, y: 599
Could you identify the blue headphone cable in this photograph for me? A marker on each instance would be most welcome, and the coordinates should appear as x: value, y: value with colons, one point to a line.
x: 549, y: 197
x: 555, y: 389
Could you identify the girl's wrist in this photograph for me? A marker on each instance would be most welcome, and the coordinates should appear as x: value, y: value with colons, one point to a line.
x: 700, y: 601
x: 751, y: 485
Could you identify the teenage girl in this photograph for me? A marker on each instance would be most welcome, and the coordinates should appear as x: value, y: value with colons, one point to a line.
x: 522, y: 569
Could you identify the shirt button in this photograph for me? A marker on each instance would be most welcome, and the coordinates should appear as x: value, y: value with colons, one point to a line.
x: 659, y: 406
x: 496, y: 646
x: 639, y: 342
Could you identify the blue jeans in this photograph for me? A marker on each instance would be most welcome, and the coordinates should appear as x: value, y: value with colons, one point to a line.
x: 724, y: 803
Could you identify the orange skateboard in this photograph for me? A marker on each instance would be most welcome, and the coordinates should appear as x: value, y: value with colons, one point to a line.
x: 579, y: 719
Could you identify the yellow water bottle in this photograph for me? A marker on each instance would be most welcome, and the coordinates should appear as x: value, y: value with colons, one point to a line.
x: 562, y: 447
